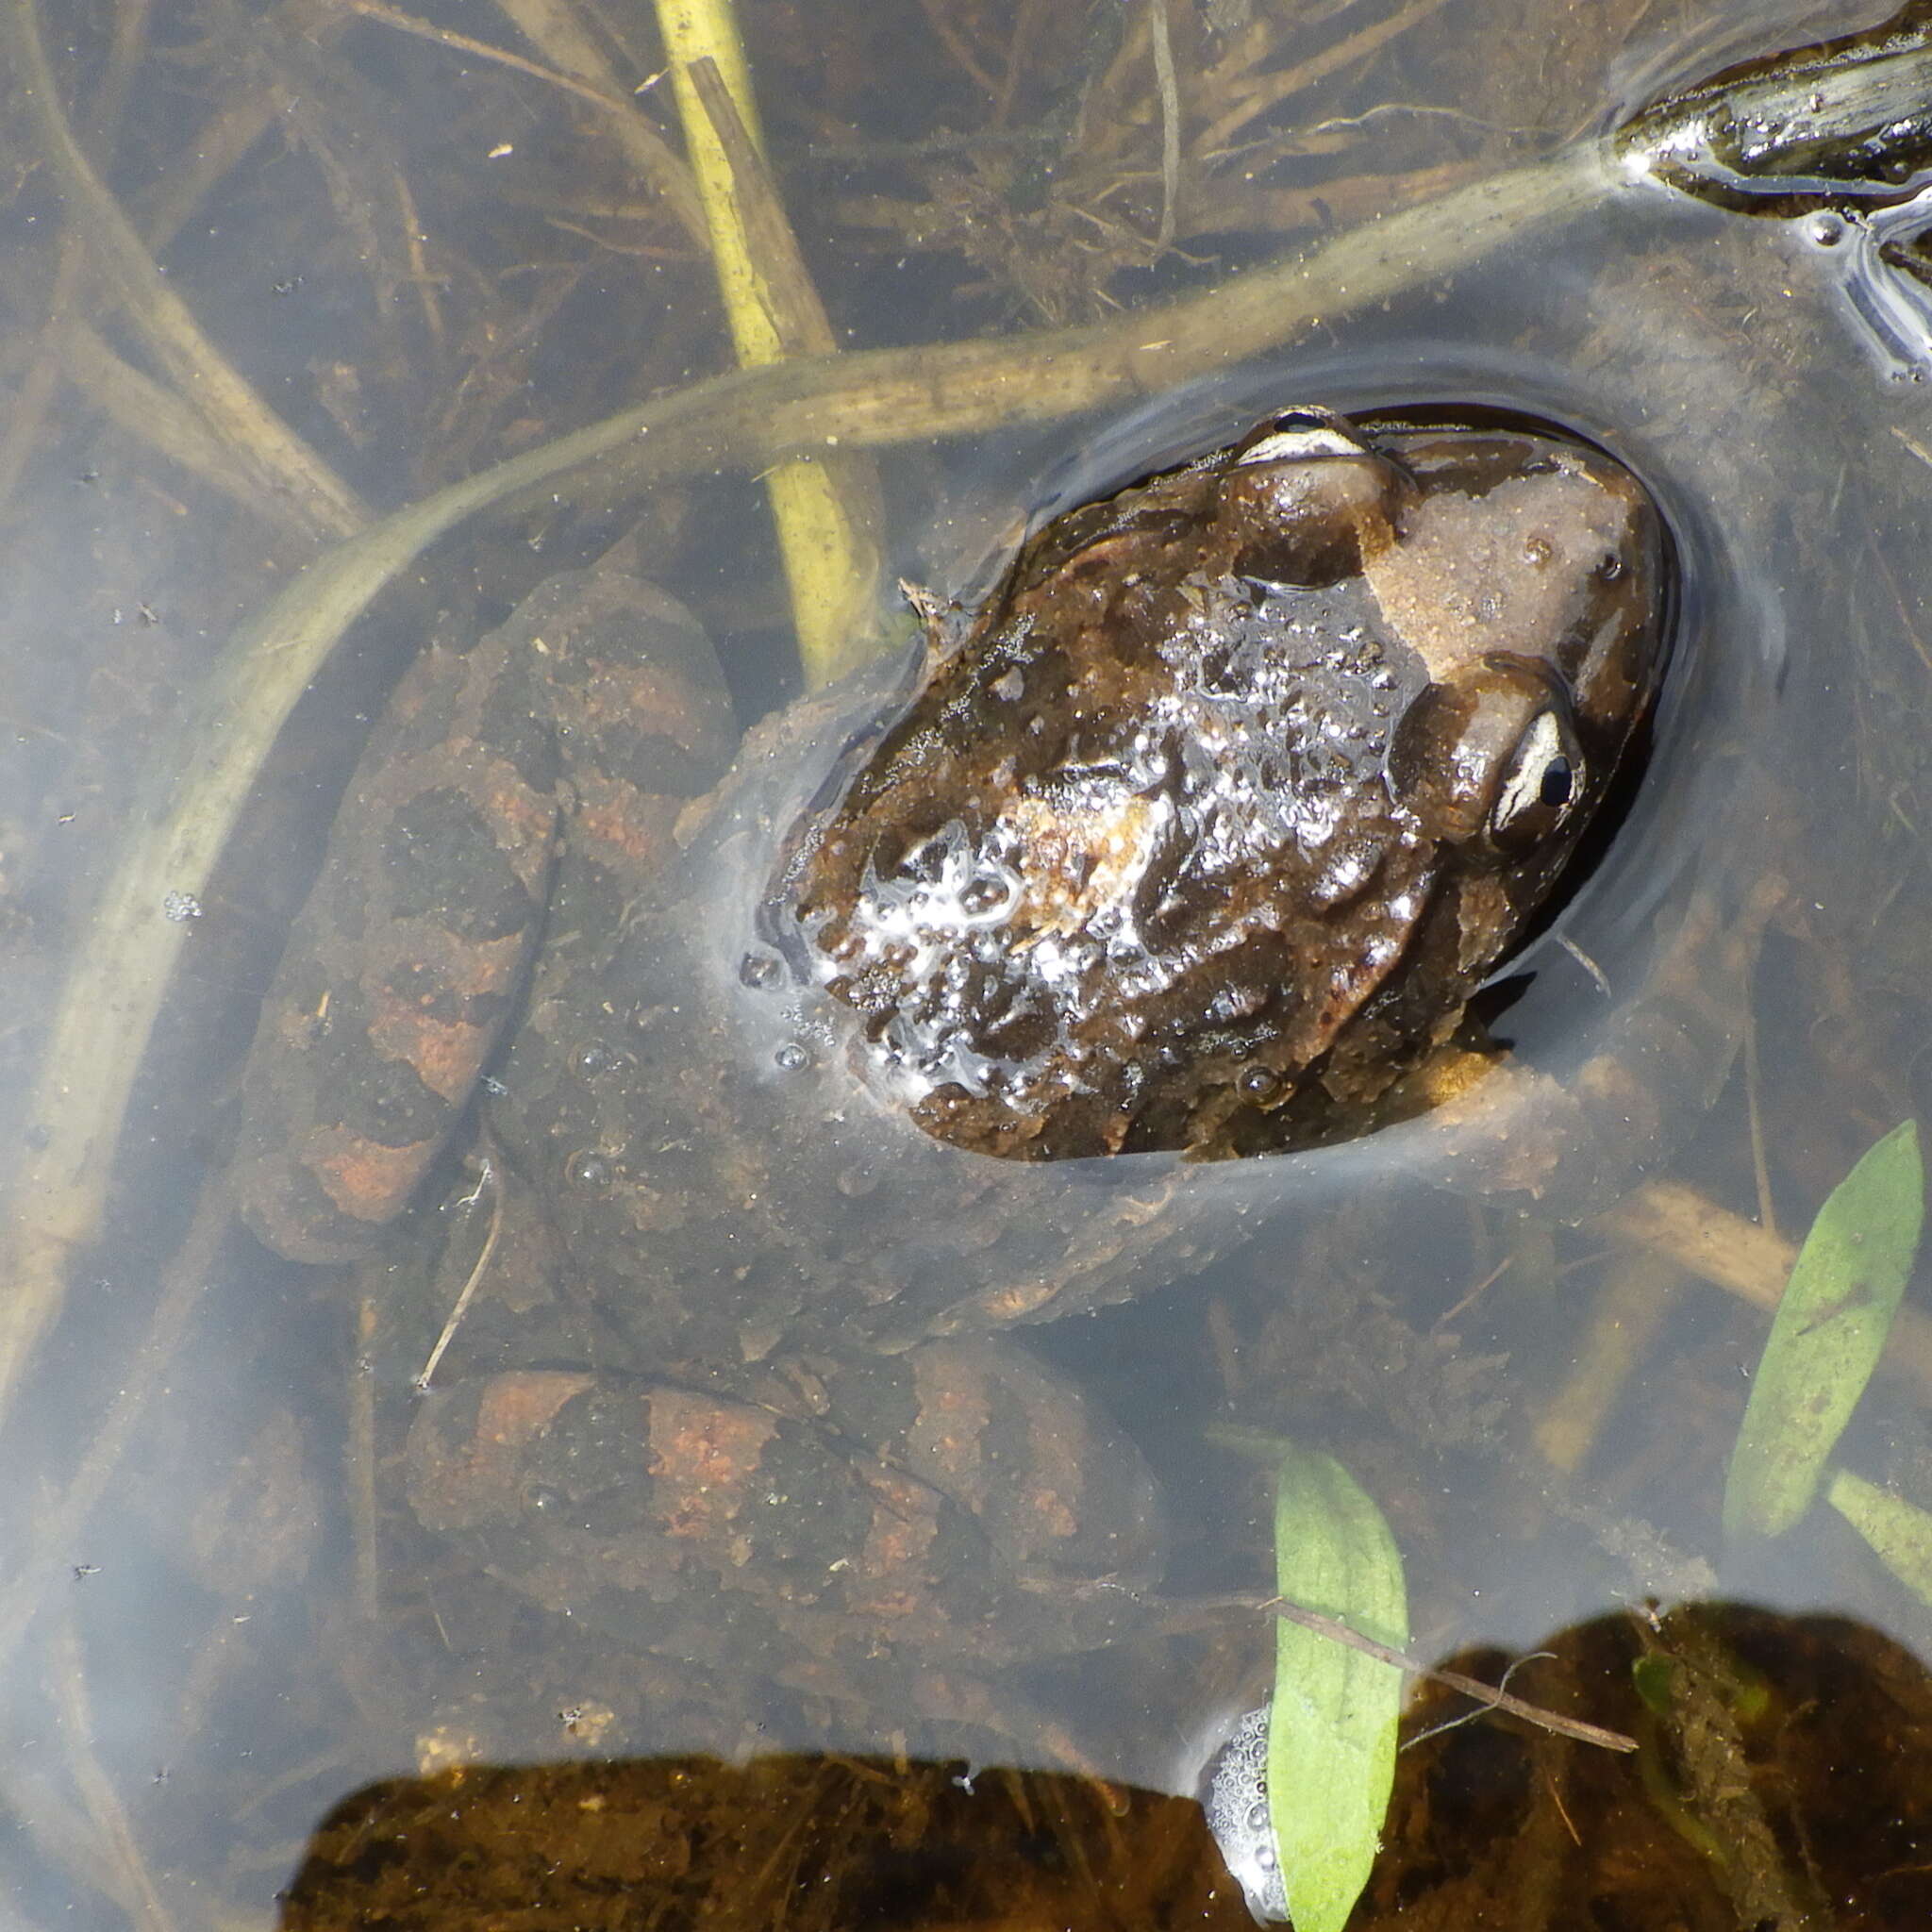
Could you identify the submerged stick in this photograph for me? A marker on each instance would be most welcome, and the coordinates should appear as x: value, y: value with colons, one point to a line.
x: 824, y: 512
x: 283, y: 464
x: 1487, y: 1694
x: 828, y: 511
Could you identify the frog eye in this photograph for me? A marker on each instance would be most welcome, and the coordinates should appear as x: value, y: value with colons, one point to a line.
x: 1540, y: 784
x: 1295, y: 435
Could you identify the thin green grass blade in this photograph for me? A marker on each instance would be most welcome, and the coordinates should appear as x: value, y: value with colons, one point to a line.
x: 1826, y: 1339
x: 1331, y: 1738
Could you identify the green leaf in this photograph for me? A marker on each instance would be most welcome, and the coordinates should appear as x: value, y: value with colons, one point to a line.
x: 1900, y: 1533
x: 1652, y: 1675
x: 1331, y: 1738
x: 1827, y: 1336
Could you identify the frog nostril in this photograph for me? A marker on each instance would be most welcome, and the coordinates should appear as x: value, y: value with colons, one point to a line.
x: 983, y: 895
x: 1259, y: 1082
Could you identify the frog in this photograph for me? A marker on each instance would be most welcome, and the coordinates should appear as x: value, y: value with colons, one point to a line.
x: 812, y: 1063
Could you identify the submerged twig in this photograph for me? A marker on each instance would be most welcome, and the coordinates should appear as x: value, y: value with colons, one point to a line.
x: 423, y: 29
x: 648, y: 148
x: 240, y: 119
x: 1169, y: 120
x: 1507, y: 1701
x: 478, y: 1270
x: 940, y: 19
x: 282, y: 462
x: 33, y: 397
x: 1749, y: 1262
x: 153, y: 413
x: 98, y: 1792
x: 1639, y: 1290
x: 826, y: 514
x: 1276, y: 88
x: 57, y: 1529
x: 553, y: 27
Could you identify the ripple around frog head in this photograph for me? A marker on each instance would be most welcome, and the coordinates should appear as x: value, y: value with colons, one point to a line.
x: 1641, y: 371
x: 1255, y: 763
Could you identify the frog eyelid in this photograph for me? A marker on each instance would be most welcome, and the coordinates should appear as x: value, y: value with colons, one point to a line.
x: 1552, y: 686
x: 1542, y: 780
x: 1312, y: 436
x: 1543, y: 670
x: 1300, y: 444
x: 1305, y: 434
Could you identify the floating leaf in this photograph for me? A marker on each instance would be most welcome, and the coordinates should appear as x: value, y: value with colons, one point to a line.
x: 1827, y: 1336
x: 1900, y: 1533
x: 1331, y: 1738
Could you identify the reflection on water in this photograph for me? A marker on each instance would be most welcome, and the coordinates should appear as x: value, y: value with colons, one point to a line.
x: 230, y: 1618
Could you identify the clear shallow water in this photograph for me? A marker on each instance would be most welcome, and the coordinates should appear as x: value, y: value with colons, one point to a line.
x: 203, y: 1656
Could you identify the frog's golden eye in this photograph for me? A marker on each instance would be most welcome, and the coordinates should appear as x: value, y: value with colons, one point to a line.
x: 1540, y: 784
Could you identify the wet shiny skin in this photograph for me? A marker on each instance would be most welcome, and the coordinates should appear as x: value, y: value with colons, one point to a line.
x: 1235, y: 790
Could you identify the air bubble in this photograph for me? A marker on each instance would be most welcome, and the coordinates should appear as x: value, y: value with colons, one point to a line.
x: 759, y: 970
x: 1825, y: 230
x: 791, y: 1057
x: 1235, y: 1798
x: 598, y: 1058
x: 589, y: 1172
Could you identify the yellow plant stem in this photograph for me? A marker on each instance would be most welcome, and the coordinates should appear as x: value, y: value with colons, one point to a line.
x: 826, y: 550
